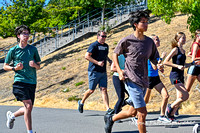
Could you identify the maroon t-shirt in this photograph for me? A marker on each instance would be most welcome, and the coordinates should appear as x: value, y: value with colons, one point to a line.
x: 137, y: 52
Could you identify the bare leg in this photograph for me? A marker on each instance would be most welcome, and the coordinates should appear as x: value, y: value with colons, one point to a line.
x: 147, y: 95
x: 86, y: 95
x: 27, y: 113
x: 131, y: 112
x: 163, y: 91
x: 105, y: 96
x: 19, y: 112
x: 182, y: 95
x: 142, y: 112
x: 190, y: 81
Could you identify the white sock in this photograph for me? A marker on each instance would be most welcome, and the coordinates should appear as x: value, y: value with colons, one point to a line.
x: 12, y: 116
x: 29, y: 131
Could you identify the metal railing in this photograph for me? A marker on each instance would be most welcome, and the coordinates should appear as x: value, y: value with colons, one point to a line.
x: 89, y: 23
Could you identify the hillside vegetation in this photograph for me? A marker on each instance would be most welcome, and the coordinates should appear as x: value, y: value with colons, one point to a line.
x: 63, y: 79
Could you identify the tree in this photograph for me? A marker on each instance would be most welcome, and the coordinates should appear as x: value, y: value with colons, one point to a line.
x: 20, y: 12
x: 167, y: 9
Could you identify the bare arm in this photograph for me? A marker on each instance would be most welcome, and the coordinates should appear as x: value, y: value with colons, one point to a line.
x: 194, y: 53
x: 113, y: 67
x: 7, y: 67
x: 35, y: 65
x: 89, y: 58
x: 167, y: 61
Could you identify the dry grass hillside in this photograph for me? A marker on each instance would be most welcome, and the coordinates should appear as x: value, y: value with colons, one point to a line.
x: 60, y: 71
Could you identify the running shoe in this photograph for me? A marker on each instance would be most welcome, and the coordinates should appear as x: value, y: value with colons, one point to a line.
x: 173, y: 119
x: 196, y: 128
x: 164, y: 119
x: 110, y: 111
x: 10, y: 121
x: 108, y: 123
x: 80, y: 106
x: 177, y: 113
x: 168, y: 110
x: 134, y: 120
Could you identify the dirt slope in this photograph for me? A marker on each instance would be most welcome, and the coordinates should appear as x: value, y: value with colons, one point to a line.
x: 63, y: 69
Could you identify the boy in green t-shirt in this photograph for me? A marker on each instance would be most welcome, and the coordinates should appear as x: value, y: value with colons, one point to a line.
x: 26, y: 61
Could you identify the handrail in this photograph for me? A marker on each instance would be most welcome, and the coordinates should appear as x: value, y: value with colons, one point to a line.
x: 59, y: 37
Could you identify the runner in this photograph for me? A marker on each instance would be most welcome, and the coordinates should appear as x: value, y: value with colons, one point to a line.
x: 119, y: 85
x: 26, y: 61
x: 97, y: 55
x: 194, y: 70
x: 137, y: 49
x: 155, y: 82
x: 177, y: 73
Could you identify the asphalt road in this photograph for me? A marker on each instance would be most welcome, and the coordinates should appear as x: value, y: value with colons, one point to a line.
x: 48, y: 120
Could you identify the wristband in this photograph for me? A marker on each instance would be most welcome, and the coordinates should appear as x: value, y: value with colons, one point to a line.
x: 13, y: 69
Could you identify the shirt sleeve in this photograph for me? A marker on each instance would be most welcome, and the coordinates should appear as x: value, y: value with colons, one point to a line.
x: 120, y: 47
x: 9, y: 57
x: 36, y: 56
x: 91, y: 48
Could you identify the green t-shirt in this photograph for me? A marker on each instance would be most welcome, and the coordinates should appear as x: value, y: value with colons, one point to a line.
x: 17, y: 55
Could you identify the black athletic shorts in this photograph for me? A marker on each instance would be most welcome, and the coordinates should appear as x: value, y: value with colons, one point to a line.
x: 153, y: 81
x: 194, y: 70
x: 177, y: 80
x: 24, y: 91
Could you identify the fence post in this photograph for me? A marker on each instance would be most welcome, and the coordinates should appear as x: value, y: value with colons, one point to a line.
x: 117, y: 12
x: 88, y: 19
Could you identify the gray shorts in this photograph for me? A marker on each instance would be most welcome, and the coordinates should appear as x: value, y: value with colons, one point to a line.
x: 136, y: 93
x: 97, y: 78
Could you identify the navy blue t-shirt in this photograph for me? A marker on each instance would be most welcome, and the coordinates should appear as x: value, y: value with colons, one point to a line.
x: 99, y: 53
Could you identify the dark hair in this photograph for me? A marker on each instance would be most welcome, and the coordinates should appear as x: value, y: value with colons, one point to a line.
x: 99, y: 33
x: 20, y: 29
x: 174, y: 42
x: 195, y: 34
x: 135, y: 17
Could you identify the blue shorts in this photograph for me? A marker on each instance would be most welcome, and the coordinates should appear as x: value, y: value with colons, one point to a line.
x: 97, y: 78
x: 136, y: 93
x: 194, y: 70
x: 24, y: 91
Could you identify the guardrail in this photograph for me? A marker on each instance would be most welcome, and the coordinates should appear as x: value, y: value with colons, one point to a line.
x: 64, y: 34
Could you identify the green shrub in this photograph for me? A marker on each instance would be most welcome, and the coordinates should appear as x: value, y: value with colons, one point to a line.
x: 79, y: 83
x: 63, y: 68
x: 73, y: 98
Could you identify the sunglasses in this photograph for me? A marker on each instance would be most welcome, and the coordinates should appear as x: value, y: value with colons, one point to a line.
x: 103, y: 36
x: 25, y: 34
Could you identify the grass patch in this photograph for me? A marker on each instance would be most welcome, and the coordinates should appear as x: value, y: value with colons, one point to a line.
x: 73, y: 98
x: 79, y: 83
x: 63, y: 68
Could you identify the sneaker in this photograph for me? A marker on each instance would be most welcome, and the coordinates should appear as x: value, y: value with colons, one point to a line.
x: 168, y: 110
x: 173, y: 119
x: 80, y: 106
x: 196, y: 128
x: 118, y: 121
x: 176, y: 113
x: 110, y: 111
x: 10, y: 121
x: 108, y: 123
x: 164, y: 119
x: 134, y: 120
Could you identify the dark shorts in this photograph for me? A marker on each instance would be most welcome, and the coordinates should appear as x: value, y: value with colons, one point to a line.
x: 177, y: 80
x: 194, y: 70
x: 97, y: 78
x: 153, y: 81
x: 24, y: 91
